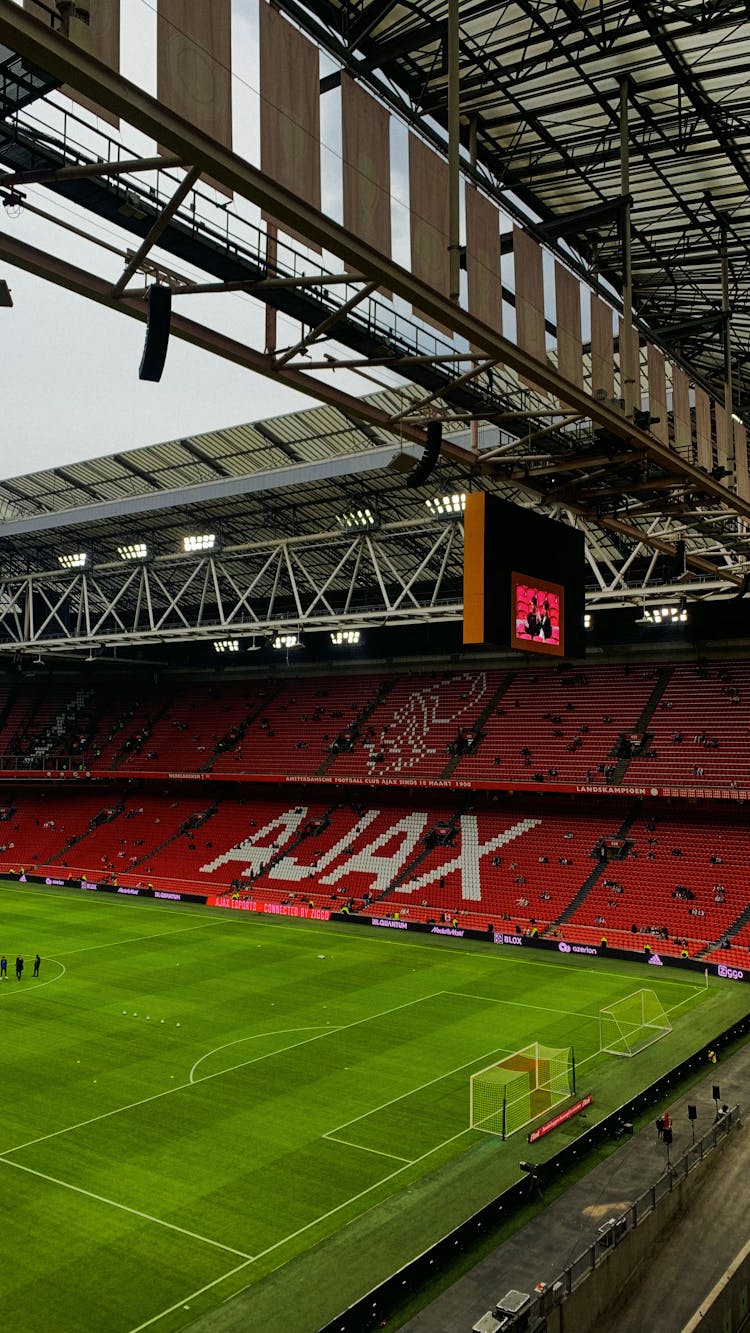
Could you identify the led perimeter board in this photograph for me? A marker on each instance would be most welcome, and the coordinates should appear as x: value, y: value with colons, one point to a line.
x: 523, y: 579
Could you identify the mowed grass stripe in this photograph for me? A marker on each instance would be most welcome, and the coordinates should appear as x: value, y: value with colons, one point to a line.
x: 125, y: 1208
x: 243, y: 1156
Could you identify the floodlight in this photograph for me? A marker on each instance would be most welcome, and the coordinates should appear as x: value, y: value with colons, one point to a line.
x: 357, y: 518
x: 203, y: 541
x: 133, y: 551
x: 341, y: 637
x: 587, y: 620
x: 287, y: 641
x: 73, y: 560
x: 226, y: 645
x: 447, y: 504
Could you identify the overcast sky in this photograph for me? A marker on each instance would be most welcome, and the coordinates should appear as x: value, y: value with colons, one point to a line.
x: 70, y: 387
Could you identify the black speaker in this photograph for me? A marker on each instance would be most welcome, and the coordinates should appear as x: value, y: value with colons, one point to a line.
x: 157, y: 332
x: 692, y: 1112
x: 716, y: 1094
x: 677, y: 563
x: 427, y: 463
x: 667, y: 1136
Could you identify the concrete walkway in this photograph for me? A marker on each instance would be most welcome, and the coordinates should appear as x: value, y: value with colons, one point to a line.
x: 712, y: 1230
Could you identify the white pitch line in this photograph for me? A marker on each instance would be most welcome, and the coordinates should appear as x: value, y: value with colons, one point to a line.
x: 193, y: 1295
x: 136, y: 939
x: 17, y: 990
x: 332, y: 1138
x: 487, y: 1055
x: 83, y: 898
x: 355, y: 1197
x: 518, y: 1004
x: 277, y: 1032
x: 299, y: 1232
x: 699, y: 990
x: 136, y: 1212
x: 181, y: 1087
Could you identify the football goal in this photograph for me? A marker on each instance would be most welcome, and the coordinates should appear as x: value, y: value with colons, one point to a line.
x: 630, y: 1025
x: 522, y: 1086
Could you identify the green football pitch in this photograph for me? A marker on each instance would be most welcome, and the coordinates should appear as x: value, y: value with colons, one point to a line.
x: 199, y: 1103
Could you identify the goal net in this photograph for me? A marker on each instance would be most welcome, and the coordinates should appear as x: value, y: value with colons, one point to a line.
x: 522, y: 1086
x: 630, y: 1025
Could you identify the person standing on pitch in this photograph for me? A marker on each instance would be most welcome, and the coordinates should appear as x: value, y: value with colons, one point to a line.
x: 19, y: 967
x: 3, y: 968
x: 37, y: 961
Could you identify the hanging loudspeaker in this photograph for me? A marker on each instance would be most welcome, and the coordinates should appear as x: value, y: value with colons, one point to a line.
x: 677, y: 564
x: 157, y: 332
x: 427, y: 463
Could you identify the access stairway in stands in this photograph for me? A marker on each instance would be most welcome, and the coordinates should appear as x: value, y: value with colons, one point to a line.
x: 601, y: 865
x: 479, y: 722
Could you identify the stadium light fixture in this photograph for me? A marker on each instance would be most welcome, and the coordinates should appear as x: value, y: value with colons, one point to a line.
x: 357, y: 518
x: 664, y: 615
x: 341, y: 638
x: 287, y: 641
x: 226, y: 645
x: 587, y: 620
x: 202, y: 541
x: 133, y: 551
x: 447, y: 504
x: 73, y: 560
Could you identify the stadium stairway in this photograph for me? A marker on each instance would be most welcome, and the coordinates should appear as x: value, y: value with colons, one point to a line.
x: 148, y: 722
x: 312, y: 827
x: 356, y: 726
x: 104, y: 816
x: 592, y: 878
x: 729, y: 934
x: 479, y: 722
x: 641, y: 725
x: 187, y: 826
x: 407, y: 871
x: 229, y: 742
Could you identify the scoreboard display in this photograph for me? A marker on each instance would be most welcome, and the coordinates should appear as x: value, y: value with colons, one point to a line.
x: 524, y: 579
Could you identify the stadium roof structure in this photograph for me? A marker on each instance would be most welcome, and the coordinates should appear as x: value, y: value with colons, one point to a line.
x: 302, y: 522
x: 540, y: 87
x: 544, y: 88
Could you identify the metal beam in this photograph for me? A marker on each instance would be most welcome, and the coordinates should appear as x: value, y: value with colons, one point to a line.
x: 358, y: 579
x: 23, y: 33
x: 158, y: 229
x: 129, y: 166
x: 300, y: 474
x: 86, y: 284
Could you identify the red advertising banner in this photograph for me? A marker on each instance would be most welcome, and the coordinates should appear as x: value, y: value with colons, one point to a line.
x: 276, y: 909
x: 560, y: 1118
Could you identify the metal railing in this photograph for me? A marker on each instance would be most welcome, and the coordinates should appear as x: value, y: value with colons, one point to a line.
x: 616, y: 1228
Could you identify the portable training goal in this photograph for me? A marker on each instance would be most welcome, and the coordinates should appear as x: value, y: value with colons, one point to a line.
x: 522, y: 1086
x: 630, y: 1025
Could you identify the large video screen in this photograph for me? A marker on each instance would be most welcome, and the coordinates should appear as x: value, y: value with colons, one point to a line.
x: 524, y: 579
x: 538, y: 610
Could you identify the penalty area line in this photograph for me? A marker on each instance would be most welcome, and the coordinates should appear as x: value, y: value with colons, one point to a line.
x: 184, y: 1300
x: 125, y: 1208
x: 332, y: 1138
x: 299, y: 1232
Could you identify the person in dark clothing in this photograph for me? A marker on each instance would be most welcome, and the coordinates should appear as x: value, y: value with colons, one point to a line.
x: 19, y: 967
x: 3, y: 968
x: 37, y: 961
